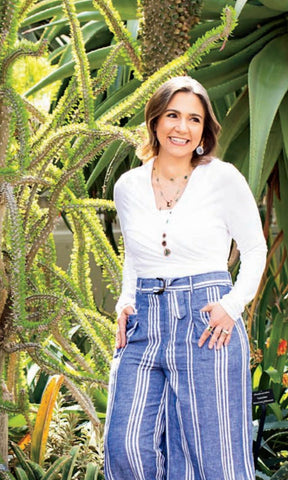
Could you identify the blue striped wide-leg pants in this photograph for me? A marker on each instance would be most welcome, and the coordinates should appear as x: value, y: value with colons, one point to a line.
x: 177, y: 411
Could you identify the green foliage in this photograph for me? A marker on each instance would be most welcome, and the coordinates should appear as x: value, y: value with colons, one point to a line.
x: 69, y: 429
x: 49, y: 315
x: 81, y: 61
x: 268, y: 85
x: 66, y: 467
x: 26, y: 49
x: 269, y: 341
x: 121, y: 34
x: 32, y: 471
x: 47, y: 153
x: 177, y: 66
x: 8, y: 26
x: 282, y: 473
x: 44, y: 155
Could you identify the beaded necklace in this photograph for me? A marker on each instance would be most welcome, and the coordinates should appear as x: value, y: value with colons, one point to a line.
x: 179, y: 191
x: 170, y: 203
x: 166, y: 250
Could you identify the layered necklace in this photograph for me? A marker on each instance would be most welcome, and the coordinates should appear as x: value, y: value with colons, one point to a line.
x: 180, y: 187
x: 180, y: 183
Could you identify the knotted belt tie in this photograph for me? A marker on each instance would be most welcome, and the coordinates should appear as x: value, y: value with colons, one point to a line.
x: 171, y: 285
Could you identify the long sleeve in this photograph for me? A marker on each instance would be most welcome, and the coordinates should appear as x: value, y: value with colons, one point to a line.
x: 216, y: 206
x: 127, y: 296
x: 244, y: 225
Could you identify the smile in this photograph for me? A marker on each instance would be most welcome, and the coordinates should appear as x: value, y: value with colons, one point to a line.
x: 178, y: 141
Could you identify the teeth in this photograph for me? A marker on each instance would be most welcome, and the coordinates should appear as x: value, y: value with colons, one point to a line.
x: 180, y: 141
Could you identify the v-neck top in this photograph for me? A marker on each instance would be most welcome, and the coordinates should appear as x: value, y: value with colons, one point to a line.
x: 216, y: 206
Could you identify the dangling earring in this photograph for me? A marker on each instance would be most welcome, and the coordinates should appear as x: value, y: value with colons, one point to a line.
x: 199, y: 150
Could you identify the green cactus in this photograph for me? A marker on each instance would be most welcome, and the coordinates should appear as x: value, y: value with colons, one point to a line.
x: 40, y: 303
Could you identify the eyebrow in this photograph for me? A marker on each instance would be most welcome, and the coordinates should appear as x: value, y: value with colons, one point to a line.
x: 177, y: 111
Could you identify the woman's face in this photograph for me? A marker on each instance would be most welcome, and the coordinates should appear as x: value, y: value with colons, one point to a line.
x: 179, y: 129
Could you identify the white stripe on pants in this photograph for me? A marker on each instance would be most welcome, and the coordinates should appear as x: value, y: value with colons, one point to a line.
x: 177, y: 411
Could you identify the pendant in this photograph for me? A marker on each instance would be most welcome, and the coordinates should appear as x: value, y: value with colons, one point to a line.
x: 169, y: 203
x: 167, y: 252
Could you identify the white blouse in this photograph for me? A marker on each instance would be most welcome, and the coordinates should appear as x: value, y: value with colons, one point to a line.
x: 216, y: 206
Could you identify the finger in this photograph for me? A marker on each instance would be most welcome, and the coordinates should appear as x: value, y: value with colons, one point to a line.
x: 207, y: 308
x: 128, y: 310
x: 205, y: 335
x: 120, y: 338
x: 214, y: 337
x: 121, y: 332
x: 224, y: 338
x: 228, y: 338
x: 221, y: 340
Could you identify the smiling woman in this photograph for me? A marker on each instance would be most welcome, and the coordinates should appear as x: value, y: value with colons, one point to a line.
x: 179, y: 129
x: 180, y: 393
x: 179, y: 132
x: 158, y: 105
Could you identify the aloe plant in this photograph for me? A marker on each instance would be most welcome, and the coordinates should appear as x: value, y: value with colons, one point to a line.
x: 62, y: 468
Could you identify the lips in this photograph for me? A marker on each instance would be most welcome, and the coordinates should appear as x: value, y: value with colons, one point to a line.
x: 178, y: 141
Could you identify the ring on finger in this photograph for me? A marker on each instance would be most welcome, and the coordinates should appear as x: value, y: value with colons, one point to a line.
x: 210, y: 328
x: 226, y: 332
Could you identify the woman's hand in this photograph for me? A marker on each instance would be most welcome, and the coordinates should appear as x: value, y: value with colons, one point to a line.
x: 220, y: 326
x: 122, y: 322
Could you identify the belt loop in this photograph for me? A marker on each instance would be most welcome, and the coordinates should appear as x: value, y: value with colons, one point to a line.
x: 191, y: 283
x: 140, y: 285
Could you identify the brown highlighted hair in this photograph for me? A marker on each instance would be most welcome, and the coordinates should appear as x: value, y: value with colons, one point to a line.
x: 157, y: 105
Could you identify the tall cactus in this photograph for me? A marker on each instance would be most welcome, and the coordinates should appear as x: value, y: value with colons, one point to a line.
x: 41, y: 303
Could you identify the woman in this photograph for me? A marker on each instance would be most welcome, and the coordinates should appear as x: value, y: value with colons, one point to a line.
x: 179, y: 399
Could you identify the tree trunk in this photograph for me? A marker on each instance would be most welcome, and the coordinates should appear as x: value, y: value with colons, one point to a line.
x: 165, y: 30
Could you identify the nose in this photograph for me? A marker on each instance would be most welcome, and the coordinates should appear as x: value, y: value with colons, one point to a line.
x: 182, y: 125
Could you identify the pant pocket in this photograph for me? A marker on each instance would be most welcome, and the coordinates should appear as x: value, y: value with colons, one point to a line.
x: 131, y: 326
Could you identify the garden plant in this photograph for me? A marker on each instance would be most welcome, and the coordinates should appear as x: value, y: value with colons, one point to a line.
x: 63, y: 162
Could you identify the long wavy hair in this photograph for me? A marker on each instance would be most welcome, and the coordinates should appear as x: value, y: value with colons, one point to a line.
x: 157, y: 105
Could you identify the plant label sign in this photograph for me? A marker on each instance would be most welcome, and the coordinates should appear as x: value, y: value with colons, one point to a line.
x: 263, y: 397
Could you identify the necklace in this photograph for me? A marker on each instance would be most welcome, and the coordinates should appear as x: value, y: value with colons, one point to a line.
x: 170, y: 203
x: 166, y: 250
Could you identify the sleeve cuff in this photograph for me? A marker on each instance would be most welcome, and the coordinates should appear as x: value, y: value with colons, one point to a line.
x: 231, y: 308
x: 119, y: 307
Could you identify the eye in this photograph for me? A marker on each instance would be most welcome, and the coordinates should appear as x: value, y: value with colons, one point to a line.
x: 171, y: 115
x: 195, y: 119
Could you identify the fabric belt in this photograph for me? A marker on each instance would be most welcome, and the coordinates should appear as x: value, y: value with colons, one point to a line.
x: 191, y: 283
x: 159, y: 285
